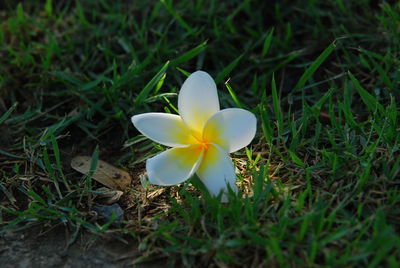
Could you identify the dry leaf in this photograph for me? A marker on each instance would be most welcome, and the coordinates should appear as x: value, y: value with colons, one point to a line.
x: 105, y: 173
x: 154, y: 194
x: 108, y: 196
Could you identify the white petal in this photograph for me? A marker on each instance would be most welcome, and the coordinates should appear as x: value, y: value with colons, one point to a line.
x: 174, y: 165
x: 216, y: 171
x: 198, y: 101
x: 167, y: 129
x: 232, y: 129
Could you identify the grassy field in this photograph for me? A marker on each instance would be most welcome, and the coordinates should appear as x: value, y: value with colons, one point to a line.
x: 320, y: 183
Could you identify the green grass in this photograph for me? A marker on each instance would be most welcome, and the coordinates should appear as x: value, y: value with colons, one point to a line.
x: 320, y: 182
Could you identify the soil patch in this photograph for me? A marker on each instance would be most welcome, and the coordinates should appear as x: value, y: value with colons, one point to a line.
x: 32, y: 249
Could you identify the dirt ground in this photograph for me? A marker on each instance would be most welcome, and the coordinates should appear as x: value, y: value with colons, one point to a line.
x: 30, y: 249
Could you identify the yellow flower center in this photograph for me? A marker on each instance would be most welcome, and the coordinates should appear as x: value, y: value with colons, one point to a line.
x: 203, y: 145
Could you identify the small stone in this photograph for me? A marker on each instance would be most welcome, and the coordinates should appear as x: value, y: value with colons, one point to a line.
x: 106, y: 212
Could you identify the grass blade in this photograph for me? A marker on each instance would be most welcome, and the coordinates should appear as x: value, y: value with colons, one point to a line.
x: 369, y: 100
x: 227, y: 70
x: 277, y: 106
x: 153, y: 82
x: 267, y: 43
x: 8, y: 113
x: 93, y: 165
x: 57, y: 155
x: 314, y: 66
x: 176, y: 16
x: 296, y: 159
x: 233, y: 96
x: 188, y: 55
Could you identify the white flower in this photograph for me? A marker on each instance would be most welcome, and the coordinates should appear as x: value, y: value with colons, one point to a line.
x: 202, y: 137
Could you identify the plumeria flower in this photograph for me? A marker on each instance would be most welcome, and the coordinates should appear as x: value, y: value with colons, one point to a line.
x: 201, y: 137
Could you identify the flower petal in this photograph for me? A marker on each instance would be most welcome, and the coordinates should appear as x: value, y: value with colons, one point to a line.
x: 198, y: 101
x: 167, y: 129
x: 174, y: 165
x: 232, y: 129
x: 216, y: 171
